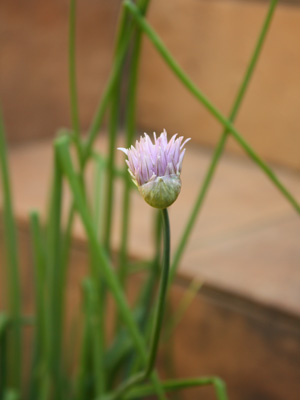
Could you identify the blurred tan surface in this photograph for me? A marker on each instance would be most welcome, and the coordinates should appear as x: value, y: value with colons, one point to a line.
x: 34, y: 83
x: 244, y: 241
x: 213, y: 41
x: 244, y: 323
x: 255, y: 349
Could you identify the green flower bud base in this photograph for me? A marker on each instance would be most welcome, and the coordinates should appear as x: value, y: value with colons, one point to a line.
x: 162, y: 191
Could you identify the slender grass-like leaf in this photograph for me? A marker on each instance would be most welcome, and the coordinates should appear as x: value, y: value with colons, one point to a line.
x: 14, y: 339
x: 222, y: 142
x: 95, y: 322
x: 72, y: 80
x: 103, y: 268
x: 55, y: 285
x: 187, y: 82
x: 140, y: 376
x: 4, y: 323
x: 39, y: 386
x: 130, y: 129
x: 180, y: 384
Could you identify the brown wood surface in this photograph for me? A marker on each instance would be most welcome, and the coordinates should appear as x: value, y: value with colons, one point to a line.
x: 213, y: 41
x: 255, y: 349
x: 245, y: 239
x: 34, y: 83
x: 244, y: 323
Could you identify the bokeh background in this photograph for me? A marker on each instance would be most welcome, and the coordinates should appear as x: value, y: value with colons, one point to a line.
x: 244, y: 324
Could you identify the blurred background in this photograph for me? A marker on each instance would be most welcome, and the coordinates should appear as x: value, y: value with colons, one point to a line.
x: 245, y: 322
x: 212, y: 41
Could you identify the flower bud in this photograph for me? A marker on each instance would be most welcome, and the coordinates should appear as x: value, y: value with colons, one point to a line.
x: 161, y: 192
x: 155, y: 168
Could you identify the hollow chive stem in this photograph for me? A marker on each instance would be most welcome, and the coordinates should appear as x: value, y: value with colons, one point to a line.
x: 72, y: 80
x: 14, y: 286
x: 130, y: 131
x: 222, y: 141
x: 162, y: 291
x: 102, y: 267
x: 180, y: 384
x: 141, y: 376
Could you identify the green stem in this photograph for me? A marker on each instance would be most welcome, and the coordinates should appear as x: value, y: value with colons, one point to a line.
x: 40, y: 378
x: 109, y: 192
x: 124, y: 41
x: 103, y: 266
x: 172, y: 385
x: 97, y: 121
x: 99, y: 343
x: 221, y: 144
x: 162, y: 291
x: 72, y: 79
x: 11, y: 394
x: 115, y: 73
x: 96, y: 329
x: 39, y: 276
x: 182, y: 76
x: 99, y: 173
x: 85, y: 354
x: 130, y: 130
x: 67, y: 238
x: 113, y: 128
x: 14, y: 286
x: 4, y: 324
x: 123, y: 44
x: 56, y: 281
x: 144, y: 304
x: 141, y: 376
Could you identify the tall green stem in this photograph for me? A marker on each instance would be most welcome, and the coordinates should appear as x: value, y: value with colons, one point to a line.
x: 96, y: 329
x: 141, y: 376
x: 124, y: 41
x: 109, y: 192
x: 124, y: 27
x: 4, y: 324
x: 130, y: 130
x: 182, y: 76
x: 162, y: 291
x: 72, y: 79
x: 172, y: 385
x: 56, y: 283
x: 221, y: 144
x: 103, y: 267
x: 14, y: 286
x: 104, y: 102
x: 40, y: 378
x: 81, y: 386
x: 113, y: 128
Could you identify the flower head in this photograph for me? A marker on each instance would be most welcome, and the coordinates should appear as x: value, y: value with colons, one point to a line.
x: 155, y: 168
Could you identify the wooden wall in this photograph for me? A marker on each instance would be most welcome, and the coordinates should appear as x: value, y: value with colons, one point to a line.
x: 34, y: 87
x: 255, y: 349
x: 212, y: 41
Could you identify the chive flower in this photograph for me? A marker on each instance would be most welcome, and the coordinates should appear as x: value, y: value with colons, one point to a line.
x: 155, y: 168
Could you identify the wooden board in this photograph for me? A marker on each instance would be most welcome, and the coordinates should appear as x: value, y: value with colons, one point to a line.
x: 255, y: 349
x: 34, y: 83
x: 245, y: 239
x: 244, y: 323
x: 213, y: 41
